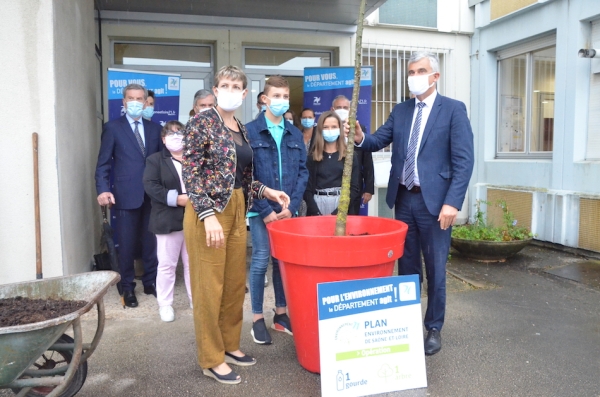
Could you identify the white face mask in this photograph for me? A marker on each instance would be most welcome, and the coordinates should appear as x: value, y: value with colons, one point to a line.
x: 419, y: 84
x: 229, y: 101
x: 343, y: 113
x: 174, y: 143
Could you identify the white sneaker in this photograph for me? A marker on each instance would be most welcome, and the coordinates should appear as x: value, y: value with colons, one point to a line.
x: 167, y: 314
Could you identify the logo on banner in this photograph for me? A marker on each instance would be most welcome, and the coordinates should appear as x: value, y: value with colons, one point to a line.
x: 408, y: 292
x: 365, y: 74
x: 317, y: 101
x: 173, y: 83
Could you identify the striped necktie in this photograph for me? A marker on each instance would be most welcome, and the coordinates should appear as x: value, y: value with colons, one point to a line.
x: 411, y: 154
x: 138, y: 137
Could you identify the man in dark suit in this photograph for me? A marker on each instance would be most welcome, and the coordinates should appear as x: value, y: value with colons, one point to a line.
x: 365, y: 180
x: 126, y: 142
x: 432, y: 162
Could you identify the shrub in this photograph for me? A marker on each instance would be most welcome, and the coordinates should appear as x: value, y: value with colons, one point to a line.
x: 482, y: 230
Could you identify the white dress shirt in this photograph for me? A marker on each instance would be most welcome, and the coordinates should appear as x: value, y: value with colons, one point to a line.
x: 140, y: 127
x: 424, y: 117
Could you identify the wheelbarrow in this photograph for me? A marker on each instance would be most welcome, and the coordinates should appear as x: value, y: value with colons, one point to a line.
x: 38, y: 359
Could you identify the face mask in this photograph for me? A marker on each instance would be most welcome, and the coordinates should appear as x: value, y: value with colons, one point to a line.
x: 174, y: 143
x: 229, y: 101
x: 203, y: 110
x: 279, y: 106
x: 331, y: 135
x: 148, y: 112
x: 419, y: 84
x: 343, y: 113
x: 134, y: 109
x: 308, y: 123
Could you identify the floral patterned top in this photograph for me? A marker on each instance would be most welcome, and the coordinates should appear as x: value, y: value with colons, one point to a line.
x: 209, y: 163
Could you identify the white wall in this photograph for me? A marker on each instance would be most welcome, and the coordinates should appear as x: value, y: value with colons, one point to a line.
x: 77, y: 134
x: 27, y: 105
x: 34, y: 63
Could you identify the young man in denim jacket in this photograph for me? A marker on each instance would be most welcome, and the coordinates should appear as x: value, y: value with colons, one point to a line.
x: 280, y: 163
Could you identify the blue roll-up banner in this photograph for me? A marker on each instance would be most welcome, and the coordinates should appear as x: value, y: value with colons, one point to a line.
x: 164, y: 85
x: 323, y: 84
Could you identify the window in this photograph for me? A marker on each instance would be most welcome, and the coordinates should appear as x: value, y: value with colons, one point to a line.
x: 389, y: 78
x: 526, y: 99
x: 284, y: 60
x: 193, y: 62
x: 593, y: 137
x: 409, y: 12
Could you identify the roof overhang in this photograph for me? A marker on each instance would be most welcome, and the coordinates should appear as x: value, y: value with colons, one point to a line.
x: 339, y: 16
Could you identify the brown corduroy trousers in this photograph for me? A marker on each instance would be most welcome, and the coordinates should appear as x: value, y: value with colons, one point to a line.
x: 218, y: 279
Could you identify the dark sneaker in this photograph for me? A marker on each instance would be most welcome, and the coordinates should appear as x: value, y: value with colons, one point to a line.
x: 259, y: 332
x: 281, y: 323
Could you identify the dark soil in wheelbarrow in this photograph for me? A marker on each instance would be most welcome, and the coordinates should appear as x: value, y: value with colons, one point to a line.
x: 21, y: 311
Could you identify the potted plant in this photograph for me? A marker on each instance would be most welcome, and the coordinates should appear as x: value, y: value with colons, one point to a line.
x: 483, y: 241
x: 320, y: 249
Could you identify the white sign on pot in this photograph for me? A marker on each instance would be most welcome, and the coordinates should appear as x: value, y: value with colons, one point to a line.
x: 370, y: 336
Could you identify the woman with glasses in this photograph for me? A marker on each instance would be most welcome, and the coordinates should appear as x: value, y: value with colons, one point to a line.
x: 217, y: 172
x: 163, y: 184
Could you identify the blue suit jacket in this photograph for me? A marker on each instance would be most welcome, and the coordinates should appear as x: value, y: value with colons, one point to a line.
x: 445, y: 159
x: 120, y: 155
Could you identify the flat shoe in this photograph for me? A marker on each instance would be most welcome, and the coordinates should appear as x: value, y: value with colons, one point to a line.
x: 244, y: 361
x: 230, y: 379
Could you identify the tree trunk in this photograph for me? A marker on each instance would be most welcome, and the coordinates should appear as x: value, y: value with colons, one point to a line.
x: 342, y: 215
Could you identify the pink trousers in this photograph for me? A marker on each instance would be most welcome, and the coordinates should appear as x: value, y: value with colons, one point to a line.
x: 168, y: 248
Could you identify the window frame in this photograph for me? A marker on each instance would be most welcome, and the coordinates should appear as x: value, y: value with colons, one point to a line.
x: 157, y: 68
x: 527, y: 49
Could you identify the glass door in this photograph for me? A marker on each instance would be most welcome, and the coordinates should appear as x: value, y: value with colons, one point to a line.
x: 256, y: 83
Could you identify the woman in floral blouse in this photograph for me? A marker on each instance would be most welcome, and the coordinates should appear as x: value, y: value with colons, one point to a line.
x: 217, y: 172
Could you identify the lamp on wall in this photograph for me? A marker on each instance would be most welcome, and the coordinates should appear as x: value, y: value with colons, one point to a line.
x: 594, y: 54
x: 588, y: 53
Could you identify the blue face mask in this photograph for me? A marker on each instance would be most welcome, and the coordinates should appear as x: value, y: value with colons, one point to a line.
x: 134, y: 109
x: 331, y: 135
x: 148, y: 112
x: 279, y: 106
x: 308, y: 123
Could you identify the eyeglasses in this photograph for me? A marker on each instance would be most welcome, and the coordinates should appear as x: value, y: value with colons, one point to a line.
x: 178, y: 133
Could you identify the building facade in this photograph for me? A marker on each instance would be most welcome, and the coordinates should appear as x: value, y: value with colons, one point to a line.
x: 536, y: 116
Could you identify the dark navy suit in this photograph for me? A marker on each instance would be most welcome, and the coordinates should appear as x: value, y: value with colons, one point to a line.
x: 121, y: 156
x: 445, y: 163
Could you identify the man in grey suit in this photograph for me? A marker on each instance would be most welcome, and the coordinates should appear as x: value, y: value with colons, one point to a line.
x: 432, y: 162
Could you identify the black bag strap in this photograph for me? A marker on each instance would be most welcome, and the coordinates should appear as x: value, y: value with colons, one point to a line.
x: 104, y: 217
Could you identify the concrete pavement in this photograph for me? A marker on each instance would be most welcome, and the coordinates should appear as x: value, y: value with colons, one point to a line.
x: 512, y: 329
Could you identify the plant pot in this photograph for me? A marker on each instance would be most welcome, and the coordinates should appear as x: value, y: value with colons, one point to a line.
x: 488, y: 251
x: 309, y: 254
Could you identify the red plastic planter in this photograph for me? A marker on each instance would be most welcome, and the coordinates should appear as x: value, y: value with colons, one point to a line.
x: 309, y: 254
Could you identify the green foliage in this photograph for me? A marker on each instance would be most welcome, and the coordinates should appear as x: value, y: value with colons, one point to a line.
x: 482, y: 230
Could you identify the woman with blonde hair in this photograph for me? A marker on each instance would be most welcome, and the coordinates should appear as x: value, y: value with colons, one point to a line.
x: 217, y: 172
x: 325, y: 164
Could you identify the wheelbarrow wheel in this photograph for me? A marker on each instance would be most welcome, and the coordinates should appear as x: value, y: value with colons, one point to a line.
x: 53, y: 359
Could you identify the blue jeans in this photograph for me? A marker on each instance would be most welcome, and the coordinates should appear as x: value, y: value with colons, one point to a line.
x: 261, y: 251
